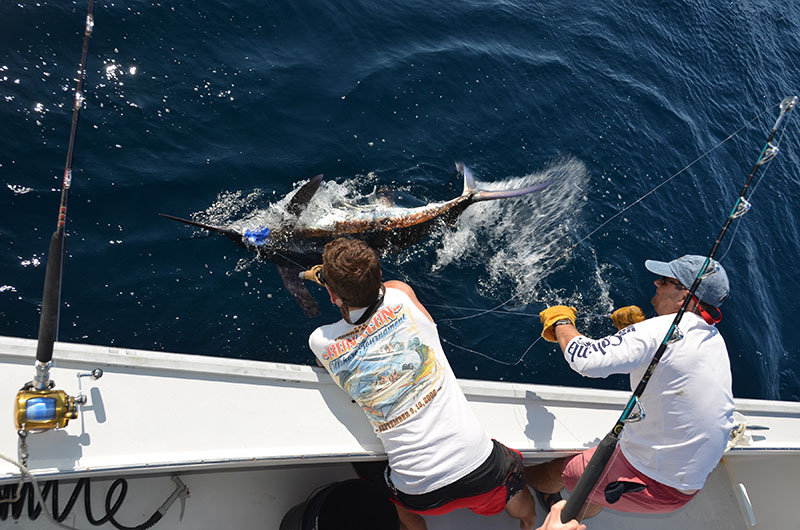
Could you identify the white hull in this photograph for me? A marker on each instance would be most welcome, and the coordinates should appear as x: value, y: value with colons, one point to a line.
x: 252, y: 439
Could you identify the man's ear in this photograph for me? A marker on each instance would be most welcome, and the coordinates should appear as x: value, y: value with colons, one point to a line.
x: 334, y: 299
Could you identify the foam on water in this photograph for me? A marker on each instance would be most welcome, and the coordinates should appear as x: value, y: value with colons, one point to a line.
x: 524, y: 238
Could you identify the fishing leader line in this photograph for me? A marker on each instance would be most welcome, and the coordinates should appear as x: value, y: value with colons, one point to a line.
x: 498, y: 361
x: 461, y: 308
x: 640, y: 199
x: 653, y: 190
x: 496, y: 309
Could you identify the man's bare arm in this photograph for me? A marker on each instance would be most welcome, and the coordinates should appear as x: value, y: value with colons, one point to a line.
x: 402, y: 286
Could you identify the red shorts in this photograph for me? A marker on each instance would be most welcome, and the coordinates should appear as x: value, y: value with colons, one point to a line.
x: 489, y: 503
x: 653, y: 498
x: 485, y: 491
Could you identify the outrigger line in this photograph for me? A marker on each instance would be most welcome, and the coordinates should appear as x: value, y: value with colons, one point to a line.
x: 606, y: 448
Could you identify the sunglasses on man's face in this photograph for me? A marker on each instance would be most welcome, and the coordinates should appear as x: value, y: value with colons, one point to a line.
x: 672, y: 281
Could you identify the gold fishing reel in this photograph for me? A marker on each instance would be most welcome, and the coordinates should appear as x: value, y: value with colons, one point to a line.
x: 314, y: 274
x: 46, y: 408
x: 40, y: 410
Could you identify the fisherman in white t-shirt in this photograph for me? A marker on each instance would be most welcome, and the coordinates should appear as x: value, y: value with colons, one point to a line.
x: 386, y: 354
x: 662, y: 461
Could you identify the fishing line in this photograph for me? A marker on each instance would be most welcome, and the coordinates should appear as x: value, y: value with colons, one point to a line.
x: 483, y: 312
x: 518, y: 313
x: 498, y: 361
x: 640, y: 199
x: 653, y: 190
x: 515, y: 313
x: 290, y: 260
x: 496, y: 308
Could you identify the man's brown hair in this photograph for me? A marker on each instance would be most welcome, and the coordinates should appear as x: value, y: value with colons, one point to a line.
x: 352, y: 270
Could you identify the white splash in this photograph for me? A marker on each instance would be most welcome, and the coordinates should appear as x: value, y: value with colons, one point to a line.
x: 349, y: 200
x: 33, y: 262
x: 239, y: 210
x: 113, y: 71
x: 520, y: 240
x: 19, y: 190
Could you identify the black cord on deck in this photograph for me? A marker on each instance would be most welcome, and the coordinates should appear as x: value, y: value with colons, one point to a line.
x: 51, y: 487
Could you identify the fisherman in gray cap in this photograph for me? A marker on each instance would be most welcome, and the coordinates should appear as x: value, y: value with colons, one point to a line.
x: 681, y: 272
x: 662, y: 461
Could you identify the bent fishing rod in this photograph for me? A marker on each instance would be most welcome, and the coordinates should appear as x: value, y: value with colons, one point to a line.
x: 605, y: 449
x: 38, y: 406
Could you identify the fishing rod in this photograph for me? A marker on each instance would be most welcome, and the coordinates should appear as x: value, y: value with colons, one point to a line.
x: 38, y: 406
x: 605, y: 449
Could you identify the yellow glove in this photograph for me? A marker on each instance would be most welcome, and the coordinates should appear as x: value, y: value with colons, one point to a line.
x: 626, y: 316
x: 551, y: 315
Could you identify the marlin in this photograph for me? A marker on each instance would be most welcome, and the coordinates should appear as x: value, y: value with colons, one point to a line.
x: 293, y: 246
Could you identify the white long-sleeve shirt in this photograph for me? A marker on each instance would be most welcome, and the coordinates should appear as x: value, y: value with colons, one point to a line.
x: 688, y: 400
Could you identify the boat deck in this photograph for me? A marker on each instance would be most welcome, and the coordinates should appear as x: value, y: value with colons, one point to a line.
x: 259, y: 498
x: 252, y: 439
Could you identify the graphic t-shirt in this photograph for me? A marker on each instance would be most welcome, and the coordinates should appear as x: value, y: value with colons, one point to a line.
x: 394, y: 367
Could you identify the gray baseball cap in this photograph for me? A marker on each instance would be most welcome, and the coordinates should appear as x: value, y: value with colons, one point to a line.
x: 713, y: 289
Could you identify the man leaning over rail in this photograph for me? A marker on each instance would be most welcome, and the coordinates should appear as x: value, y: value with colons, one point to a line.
x: 663, y: 460
x: 385, y: 353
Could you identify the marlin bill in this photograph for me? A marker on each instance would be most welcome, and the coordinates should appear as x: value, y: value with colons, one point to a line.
x: 293, y: 245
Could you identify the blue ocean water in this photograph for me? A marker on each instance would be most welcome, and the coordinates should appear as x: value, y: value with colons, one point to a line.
x: 220, y: 109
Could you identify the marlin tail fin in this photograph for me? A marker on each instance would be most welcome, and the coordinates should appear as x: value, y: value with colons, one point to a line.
x: 478, y: 195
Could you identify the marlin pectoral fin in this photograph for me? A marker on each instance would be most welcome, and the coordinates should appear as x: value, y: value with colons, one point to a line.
x: 303, y: 195
x: 295, y: 286
x: 385, y: 196
x: 227, y: 232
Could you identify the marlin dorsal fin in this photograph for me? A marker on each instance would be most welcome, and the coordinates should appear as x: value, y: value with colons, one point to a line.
x: 303, y: 196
